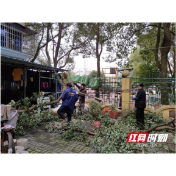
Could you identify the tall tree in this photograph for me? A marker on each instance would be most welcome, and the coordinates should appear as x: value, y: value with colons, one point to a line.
x: 57, y: 43
x: 98, y: 36
x: 60, y: 49
x: 163, y: 38
x: 40, y: 39
x: 93, y: 74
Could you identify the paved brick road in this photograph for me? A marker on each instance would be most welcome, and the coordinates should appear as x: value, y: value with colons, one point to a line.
x: 40, y: 141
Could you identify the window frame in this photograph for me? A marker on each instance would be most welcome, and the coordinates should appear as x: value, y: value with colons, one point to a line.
x: 13, y: 38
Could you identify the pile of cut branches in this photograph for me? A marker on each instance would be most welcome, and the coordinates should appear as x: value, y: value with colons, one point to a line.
x: 114, y: 139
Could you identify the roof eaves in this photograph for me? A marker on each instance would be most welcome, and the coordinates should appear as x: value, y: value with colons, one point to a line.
x: 34, y: 65
x: 27, y: 30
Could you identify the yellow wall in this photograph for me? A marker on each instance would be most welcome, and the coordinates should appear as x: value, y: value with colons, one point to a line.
x: 165, y: 110
x: 126, y: 86
x: 148, y: 110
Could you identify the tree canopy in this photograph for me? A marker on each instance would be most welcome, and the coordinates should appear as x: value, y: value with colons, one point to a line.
x: 93, y: 74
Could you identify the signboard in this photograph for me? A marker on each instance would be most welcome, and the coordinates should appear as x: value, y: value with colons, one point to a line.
x: 43, y: 100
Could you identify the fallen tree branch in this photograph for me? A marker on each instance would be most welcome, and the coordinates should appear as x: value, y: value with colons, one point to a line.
x: 165, y: 124
x: 165, y: 128
x: 42, y: 104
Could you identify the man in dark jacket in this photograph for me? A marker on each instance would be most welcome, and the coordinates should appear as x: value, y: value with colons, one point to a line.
x: 82, y: 89
x: 140, y: 105
x: 69, y: 99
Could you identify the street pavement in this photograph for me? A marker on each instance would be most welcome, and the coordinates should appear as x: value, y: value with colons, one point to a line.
x: 40, y: 141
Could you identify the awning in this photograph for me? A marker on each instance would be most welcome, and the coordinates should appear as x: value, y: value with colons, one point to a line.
x: 13, y: 53
x: 24, y: 64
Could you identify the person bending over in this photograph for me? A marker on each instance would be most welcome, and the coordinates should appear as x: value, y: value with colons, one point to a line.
x: 69, y: 98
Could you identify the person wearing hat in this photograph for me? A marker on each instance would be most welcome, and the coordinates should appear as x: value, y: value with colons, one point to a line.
x: 82, y: 89
x: 140, y: 105
x: 69, y: 99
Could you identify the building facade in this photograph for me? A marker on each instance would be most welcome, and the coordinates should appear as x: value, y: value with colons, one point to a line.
x: 20, y: 78
x: 17, y: 40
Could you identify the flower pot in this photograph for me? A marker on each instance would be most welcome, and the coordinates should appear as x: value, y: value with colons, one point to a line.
x: 112, y: 114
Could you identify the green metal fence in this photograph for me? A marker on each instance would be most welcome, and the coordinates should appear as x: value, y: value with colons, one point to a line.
x: 159, y: 91
x: 110, y: 91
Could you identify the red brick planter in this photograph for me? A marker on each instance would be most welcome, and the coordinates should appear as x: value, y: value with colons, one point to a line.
x: 112, y: 114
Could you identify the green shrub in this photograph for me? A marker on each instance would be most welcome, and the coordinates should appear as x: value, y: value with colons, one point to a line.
x: 113, y: 108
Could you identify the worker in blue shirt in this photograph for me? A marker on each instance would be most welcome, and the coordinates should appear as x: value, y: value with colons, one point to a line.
x: 69, y: 99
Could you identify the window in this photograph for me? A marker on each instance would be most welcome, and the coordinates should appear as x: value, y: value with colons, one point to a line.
x: 10, y: 37
x: 3, y: 37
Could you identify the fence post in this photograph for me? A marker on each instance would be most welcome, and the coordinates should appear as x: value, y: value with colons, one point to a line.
x: 126, y: 91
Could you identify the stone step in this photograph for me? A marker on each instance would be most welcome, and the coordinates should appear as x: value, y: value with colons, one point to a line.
x: 22, y: 142
x: 19, y: 149
x: 24, y: 152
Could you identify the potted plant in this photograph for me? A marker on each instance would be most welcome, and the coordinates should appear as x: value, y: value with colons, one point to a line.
x: 113, y: 112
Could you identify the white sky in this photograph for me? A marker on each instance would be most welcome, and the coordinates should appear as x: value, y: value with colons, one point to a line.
x: 91, y: 63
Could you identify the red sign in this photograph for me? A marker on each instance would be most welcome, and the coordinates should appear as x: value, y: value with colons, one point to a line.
x: 137, y: 137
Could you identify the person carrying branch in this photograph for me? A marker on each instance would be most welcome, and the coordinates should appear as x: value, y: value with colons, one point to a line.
x: 69, y: 99
x: 82, y: 89
x: 140, y: 105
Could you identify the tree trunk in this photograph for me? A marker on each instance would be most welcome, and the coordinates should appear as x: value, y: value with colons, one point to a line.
x: 98, y: 74
x: 164, y: 90
x: 157, y: 46
x: 165, y: 48
x: 47, y: 41
x: 58, y: 44
x: 98, y: 59
x: 55, y: 63
x: 174, y: 75
x: 174, y: 63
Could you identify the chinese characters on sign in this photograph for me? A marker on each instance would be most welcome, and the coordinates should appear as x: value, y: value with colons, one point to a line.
x: 145, y: 137
x: 137, y: 137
